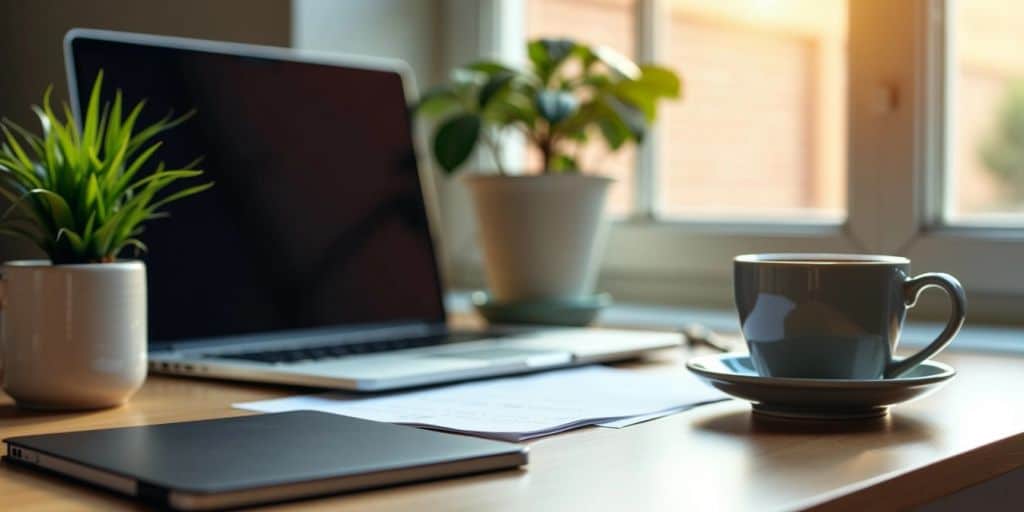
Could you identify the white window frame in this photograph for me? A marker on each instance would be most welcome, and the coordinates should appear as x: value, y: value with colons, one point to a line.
x: 898, y: 92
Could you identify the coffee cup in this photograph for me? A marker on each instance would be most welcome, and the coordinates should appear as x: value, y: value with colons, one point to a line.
x: 834, y: 316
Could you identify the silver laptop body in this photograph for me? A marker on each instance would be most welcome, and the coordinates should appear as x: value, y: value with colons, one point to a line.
x: 313, y: 260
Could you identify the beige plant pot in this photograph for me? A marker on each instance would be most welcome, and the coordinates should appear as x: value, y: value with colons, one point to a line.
x: 541, y: 235
x: 73, y: 336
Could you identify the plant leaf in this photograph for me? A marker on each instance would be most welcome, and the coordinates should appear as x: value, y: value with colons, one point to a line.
x: 181, y: 194
x: 121, y: 182
x: 33, y: 140
x: 113, y: 126
x: 437, y: 101
x: 18, y: 203
x: 168, y: 122
x: 455, y: 139
x: 57, y: 206
x: 632, y: 117
x: 77, y: 244
x: 12, y: 143
x: 495, y: 85
x: 513, y: 108
x: 555, y: 106
x: 547, y: 54
x: 614, y: 131
x: 637, y: 96
x: 92, y: 119
x: 557, y: 50
x: 617, y: 62
x: 660, y: 81
x: 563, y: 163
x: 139, y: 246
x: 166, y: 175
x: 489, y: 67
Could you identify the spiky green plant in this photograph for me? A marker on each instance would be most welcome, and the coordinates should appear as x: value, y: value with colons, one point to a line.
x: 82, y: 194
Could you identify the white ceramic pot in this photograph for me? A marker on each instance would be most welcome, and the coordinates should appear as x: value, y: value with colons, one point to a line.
x: 541, y: 235
x: 73, y: 336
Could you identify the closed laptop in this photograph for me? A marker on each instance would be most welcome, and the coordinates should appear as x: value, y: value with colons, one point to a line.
x: 231, y: 462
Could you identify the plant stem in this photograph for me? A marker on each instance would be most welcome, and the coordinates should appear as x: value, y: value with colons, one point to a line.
x: 547, y: 150
x: 496, y: 153
x: 578, y: 156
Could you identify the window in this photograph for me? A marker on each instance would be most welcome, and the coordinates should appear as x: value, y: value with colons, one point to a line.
x: 814, y: 125
x: 791, y: 125
x: 987, y: 171
x: 767, y: 77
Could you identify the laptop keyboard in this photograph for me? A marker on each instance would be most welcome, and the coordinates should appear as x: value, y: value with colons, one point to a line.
x: 298, y: 355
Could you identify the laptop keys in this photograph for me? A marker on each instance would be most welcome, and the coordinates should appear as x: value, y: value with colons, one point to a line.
x: 299, y: 355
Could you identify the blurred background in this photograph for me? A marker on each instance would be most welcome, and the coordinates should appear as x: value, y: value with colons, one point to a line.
x: 792, y: 52
x: 761, y: 135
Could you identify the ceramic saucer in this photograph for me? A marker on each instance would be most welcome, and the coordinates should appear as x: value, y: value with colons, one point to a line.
x: 820, y: 399
x: 573, y: 312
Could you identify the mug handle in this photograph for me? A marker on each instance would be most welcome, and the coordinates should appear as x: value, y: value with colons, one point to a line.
x: 912, y: 288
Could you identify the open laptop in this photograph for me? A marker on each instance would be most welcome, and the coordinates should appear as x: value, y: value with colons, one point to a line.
x: 312, y: 260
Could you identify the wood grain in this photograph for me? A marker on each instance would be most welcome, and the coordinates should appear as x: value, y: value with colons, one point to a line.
x: 716, y: 457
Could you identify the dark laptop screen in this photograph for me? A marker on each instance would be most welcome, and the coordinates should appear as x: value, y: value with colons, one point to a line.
x: 317, y: 217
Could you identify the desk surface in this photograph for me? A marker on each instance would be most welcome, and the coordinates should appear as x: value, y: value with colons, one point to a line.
x: 714, y: 457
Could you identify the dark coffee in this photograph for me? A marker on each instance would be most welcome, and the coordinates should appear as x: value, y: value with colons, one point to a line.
x: 866, y: 260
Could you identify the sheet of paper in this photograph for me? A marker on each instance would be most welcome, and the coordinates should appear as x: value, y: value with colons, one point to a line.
x: 633, y: 420
x: 521, y: 407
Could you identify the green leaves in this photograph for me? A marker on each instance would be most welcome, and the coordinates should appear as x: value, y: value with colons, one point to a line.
x: 437, y: 101
x: 78, y: 194
x: 495, y: 85
x: 547, y: 55
x: 659, y: 81
x: 555, y: 106
x: 570, y: 93
x: 563, y: 163
x: 455, y: 140
x: 617, y: 62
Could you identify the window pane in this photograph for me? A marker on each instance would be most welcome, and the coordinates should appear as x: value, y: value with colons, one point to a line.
x: 986, y: 181
x: 761, y: 131
x: 605, y: 22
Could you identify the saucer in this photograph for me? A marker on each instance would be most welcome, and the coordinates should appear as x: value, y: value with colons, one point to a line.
x: 571, y: 312
x: 817, y: 399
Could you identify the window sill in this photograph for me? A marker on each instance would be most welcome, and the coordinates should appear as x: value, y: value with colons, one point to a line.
x: 973, y: 337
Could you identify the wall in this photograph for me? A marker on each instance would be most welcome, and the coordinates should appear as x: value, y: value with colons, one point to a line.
x: 31, y: 32
x: 402, y: 29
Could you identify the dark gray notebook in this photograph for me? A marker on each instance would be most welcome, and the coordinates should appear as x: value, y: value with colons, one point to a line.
x: 257, y: 459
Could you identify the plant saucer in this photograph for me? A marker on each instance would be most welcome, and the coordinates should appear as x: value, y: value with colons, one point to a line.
x: 570, y: 312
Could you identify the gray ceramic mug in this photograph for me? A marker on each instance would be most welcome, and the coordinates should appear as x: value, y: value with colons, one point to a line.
x: 834, y: 316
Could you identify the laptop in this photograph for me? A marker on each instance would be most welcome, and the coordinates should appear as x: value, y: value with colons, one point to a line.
x: 313, y: 260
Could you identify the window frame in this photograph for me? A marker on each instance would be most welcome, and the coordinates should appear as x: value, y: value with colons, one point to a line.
x: 897, y: 133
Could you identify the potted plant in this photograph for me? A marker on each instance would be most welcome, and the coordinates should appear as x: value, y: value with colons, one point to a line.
x: 74, y: 328
x: 539, y: 231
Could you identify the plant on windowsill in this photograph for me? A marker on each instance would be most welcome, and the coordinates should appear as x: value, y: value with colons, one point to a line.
x: 540, y: 231
x: 74, y: 334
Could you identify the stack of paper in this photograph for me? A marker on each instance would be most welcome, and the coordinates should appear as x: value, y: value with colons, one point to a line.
x: 518, y: 408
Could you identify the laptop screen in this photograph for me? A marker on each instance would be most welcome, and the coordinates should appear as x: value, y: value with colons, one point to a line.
x: 317, y: 217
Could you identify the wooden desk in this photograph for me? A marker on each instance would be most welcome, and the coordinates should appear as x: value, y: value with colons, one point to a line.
x: 715, y: 457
